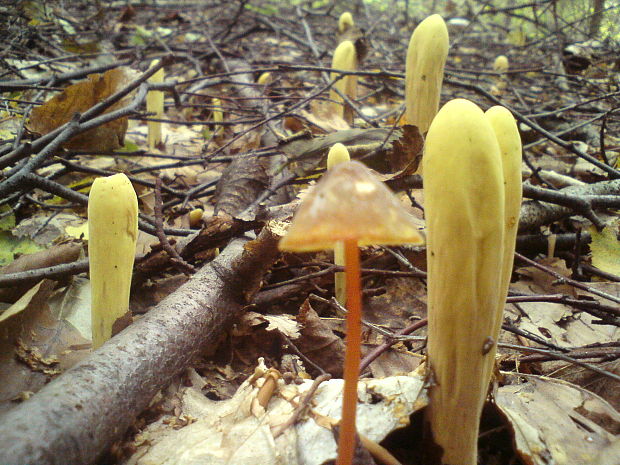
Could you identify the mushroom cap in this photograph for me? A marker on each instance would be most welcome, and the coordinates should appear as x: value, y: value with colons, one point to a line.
x: 349, y: 203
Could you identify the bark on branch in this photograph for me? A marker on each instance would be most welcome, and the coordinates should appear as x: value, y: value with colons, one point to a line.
x: 78, y: 416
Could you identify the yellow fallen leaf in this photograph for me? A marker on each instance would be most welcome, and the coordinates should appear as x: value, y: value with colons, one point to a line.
x: 605, y: 249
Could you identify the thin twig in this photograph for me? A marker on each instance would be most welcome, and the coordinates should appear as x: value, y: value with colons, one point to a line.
x: 560, y: 356
x: 175, y: 258
x: 564, y: 279
x: 305, y: 401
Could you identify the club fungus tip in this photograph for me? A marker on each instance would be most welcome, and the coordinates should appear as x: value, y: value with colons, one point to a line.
x: 345, y: 22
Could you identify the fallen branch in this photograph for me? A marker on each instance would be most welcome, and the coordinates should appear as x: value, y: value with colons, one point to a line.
x: 536, y: 213
x: 580, y: 203
x: 79, y: 415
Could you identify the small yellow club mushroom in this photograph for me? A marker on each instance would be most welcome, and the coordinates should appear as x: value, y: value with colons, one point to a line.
x: 349, y: 205
x: 155, y: 107
x: 507, y: 134
x: 345, y: 59
x: 265, y: 79
x: 345, y: 22
x: 338, y: 154
x: 195, y: 217
x: 218, y: 116
x: 112, y: 234
x: 465, y: 221
x: 500, y: 65
x: 426, y: 58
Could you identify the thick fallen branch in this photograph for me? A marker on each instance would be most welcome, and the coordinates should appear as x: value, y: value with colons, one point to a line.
x: 536, y: 213
x: 580, y: 203
x: 77, y: 417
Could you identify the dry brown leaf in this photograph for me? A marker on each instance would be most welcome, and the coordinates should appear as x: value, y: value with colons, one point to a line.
x: 319, y: 343
x: 34, y: 344
x: 324, y: 117
x: 284, y: 323
x: 78, y: 98
x: 407, y: 151
x: 558, y: 323
x: 556, y: 422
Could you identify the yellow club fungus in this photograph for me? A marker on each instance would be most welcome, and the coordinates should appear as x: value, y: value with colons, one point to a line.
x: 507, y: 134
x: 338, y: 154
x: 464, y: 208
x: 345, y: 22
x: 426, y: 58
x: 112, y: 234
x: 155, y: 108
x: 500, y: 65
x: 345, y: 59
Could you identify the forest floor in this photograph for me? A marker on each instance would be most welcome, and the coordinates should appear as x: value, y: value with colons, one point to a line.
x: 246, y: 129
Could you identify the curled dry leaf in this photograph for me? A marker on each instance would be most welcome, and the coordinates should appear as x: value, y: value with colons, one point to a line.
x: 36, y: 345
x: 78, y: 98
x: 318, y: 342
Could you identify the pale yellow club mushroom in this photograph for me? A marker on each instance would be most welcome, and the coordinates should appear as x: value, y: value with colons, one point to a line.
x: 345, y: 22
x: 345, y: 59
x: 338, y: 154
x: 426, y: 58
x: 112, y: 235
x: 155, y: 106
x: 465, y: 224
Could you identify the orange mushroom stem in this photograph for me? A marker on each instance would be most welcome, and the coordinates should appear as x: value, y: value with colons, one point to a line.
x: 350, y: 205
x: 353, y: 353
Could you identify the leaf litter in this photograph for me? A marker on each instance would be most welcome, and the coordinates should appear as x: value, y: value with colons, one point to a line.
x: 226, y: 429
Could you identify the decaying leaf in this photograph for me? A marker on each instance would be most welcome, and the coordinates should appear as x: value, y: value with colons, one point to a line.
x: 385, y: 150
x: 322, y: 116
x: 557, y: 323
x: 35, y: 345
x: 396, y: 308
x: 318, y: 342
x: 241, y: 182
x: 406, y: 153
x: 552, y: 422
x: 285, y: 324
x: 227, y: 431
x: 78, y: 98
x: 556, y: 422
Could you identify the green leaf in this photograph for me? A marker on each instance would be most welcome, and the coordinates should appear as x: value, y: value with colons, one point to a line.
x: 10, y: 246
x: 128, y: 147
x: 7, y: 218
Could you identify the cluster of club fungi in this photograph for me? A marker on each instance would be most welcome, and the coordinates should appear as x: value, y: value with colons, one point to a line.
x: 472, y: 199
x: 472, y: 196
